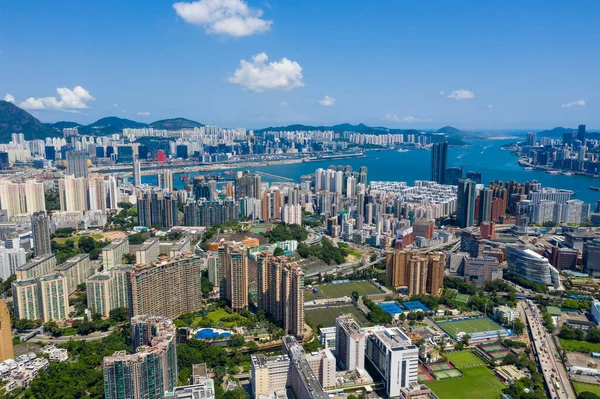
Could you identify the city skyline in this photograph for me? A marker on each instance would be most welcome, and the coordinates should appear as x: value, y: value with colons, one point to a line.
x: 265, y: 65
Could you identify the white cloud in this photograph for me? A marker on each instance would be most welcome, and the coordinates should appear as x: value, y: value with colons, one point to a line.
x: 578, y: 103
x: 461, y: 94
x: 284, y: 104
x: 406, y: 119
x: 68, y: 101
x: 257, y: 75
x: 224, y: 17
x: 441, y: 92
x: 327, y: 101
x: 490, y: 106
x: 143, y: 113
x: 9, y: 98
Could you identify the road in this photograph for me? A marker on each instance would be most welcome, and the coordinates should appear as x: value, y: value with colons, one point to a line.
x: 554, y: 371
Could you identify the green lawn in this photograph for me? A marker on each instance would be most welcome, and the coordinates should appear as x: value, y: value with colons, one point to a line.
x: 462, y: 298
x: 464, y: 359
x: 579, y: 346
x: 470, y: 326
x: 327, y: 316
x: 582, y: 387
x: 476, y: 383
x: 217, y: 316
x: 340, y: 290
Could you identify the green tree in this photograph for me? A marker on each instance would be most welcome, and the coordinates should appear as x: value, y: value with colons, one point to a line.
x: 119, y: 315
x: 278, y: 252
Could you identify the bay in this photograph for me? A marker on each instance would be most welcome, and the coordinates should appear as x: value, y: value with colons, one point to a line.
x: 484, y: 156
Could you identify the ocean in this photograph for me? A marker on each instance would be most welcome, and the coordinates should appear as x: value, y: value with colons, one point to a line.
x: 484, y: 156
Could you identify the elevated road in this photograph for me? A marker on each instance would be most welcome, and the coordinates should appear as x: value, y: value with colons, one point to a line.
x: 553, y: 370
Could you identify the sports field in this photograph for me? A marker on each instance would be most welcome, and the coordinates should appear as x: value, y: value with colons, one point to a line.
x: 583, y: 387
x: 470, y: 326
x: 326, y: 316
x: 464, y: 359
x: 340, y: 290
x: 476, y: 383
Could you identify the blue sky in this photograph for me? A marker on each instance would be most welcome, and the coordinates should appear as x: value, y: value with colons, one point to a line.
x: 424, y: 64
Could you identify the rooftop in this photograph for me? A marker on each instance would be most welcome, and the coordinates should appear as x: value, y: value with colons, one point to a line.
x: 35, y: 261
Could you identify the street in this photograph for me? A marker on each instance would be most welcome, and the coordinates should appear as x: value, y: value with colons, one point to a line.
x: 552, y: 368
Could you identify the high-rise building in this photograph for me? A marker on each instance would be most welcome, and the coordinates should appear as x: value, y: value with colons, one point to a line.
x: 167, y: 178
x: 76, y: 269
x: 151, y: 371
x: 247, y: 185
x: 418, y: 273
x: 10, y: 260
x: 475, y: 176
x: 234, y: 275
x: 349, y: 343
x: 41, y: 298
x: 137, y: 173
x: 37, y: 267
x: 270, y: 374
x: 485, y: 205
x: 591, y: 257
x: 168, y: 289
x: 394, y: 357
x: 581, y: 134
x: 22, y: 198
x: 453, y: 175
x: 465, y: 203
x: 73, y: 194
x: 280, y: 287
x: 108, y: 290
x: 40, y: 226
x: 6, y: 344
x: 77, y: 163
x: 148, y: 251
x: 480, y: 270
x: 157, y: 208
x: 525, y: 263
x: 362, y: 175
x: 112, y: 254
x: 439, y: 157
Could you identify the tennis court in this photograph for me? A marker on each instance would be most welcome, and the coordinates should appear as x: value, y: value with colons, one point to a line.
x: 424, y: 375
x: 390, y: 307
x: 445, y: 374
x: 441, y: 366
x: 415, y: 306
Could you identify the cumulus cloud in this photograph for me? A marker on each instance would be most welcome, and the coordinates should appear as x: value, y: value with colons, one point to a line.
x: 405, y: 119
x: 578, y: 103
x: 284, y: 104
x: 9, y: 98
x: 143, y: 113
x: 68, y: 100
x: 224, y: 17
x: 327, y: 101
x: 258, y: 75
x: 490, y: 106
x: 461, y: 94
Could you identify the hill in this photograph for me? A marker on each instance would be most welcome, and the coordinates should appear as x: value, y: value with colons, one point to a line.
x: 175, y: 124
x: 64, y: 124
x: 16, y: 120
x: 448, y: 130
x: 344, y: 127
x: 555, y: 132
x: 112, y: 125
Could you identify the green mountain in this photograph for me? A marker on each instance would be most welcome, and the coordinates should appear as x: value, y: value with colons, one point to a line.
x: 16, y: 120
x: 556, y: 132
x: 64, y: 124
x: 448, y: 130
x: 175, y: 124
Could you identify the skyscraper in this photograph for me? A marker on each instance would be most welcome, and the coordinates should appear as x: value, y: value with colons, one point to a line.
x: 77, y: 163
x: 485, y: 205
x: 420, y: 274
x: 465, y: 203
x: 280, y: 287
x: 453, y: 175
x: 581, y: 134
x: 247, y: 185
x: 137, y: 173
x: 439, y: 157
x: 151, y: 370
x: 234, y: 275
x: 362, y: 175
x: 40, y: 226
x: 157, y: 208
x: 6, y: 345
